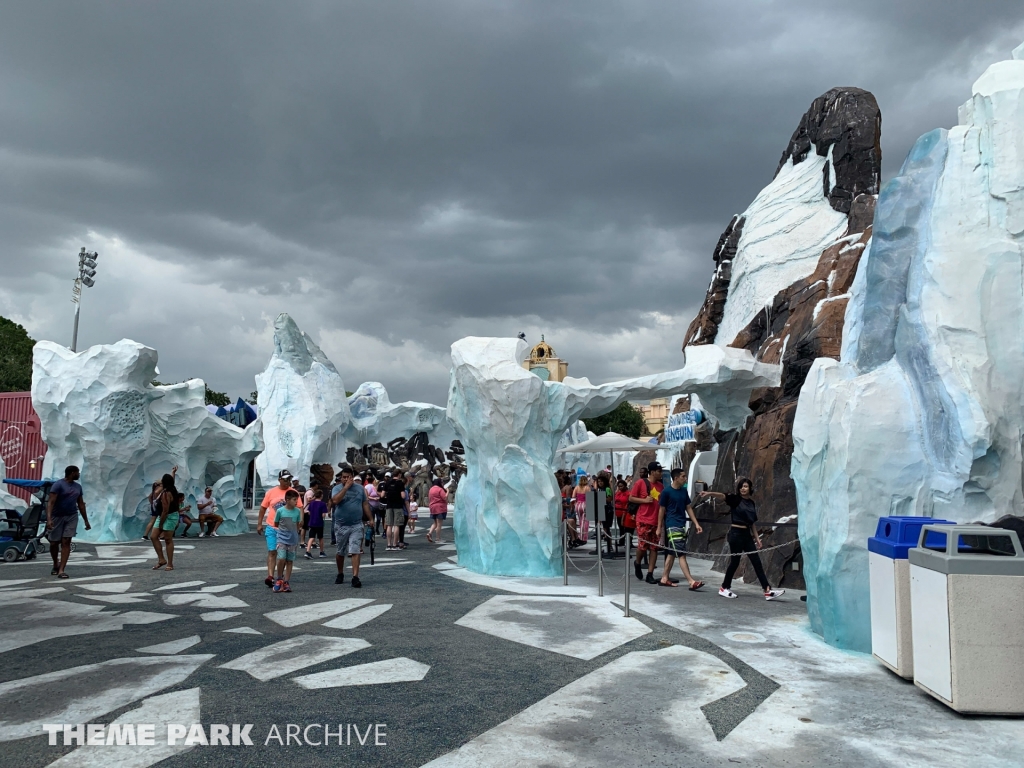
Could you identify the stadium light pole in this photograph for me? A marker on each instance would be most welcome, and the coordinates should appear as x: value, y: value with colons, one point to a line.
x: 86, y: 277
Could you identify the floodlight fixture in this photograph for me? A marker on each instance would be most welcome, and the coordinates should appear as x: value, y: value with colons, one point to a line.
x: 86, y: 277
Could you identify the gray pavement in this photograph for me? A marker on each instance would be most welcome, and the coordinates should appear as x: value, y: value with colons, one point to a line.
x: 462, y: 669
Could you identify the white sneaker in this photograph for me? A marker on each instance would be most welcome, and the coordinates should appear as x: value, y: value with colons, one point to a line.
x: 771, y: 594
x: 215, y: 534
x: 727, y: 593
x: 202, y: 535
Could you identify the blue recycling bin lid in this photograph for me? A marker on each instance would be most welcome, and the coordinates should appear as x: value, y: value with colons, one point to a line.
x: 896, y: 536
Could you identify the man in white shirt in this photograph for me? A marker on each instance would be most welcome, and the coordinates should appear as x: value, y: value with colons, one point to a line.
x: 207, y: 508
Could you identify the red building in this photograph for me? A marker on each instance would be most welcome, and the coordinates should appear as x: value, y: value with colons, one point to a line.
x: 21, y: 444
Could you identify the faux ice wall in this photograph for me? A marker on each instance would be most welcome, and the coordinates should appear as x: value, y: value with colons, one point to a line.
x: 923, y: 415
x: 375, y: 419
x: 510, y: 421
x: 302, y: 405
x: 99, y: 410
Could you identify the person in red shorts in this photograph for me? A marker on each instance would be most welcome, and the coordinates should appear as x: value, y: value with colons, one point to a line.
x: 646, y: 492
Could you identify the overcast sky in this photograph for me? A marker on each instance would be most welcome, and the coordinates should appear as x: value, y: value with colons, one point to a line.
x: 397, y: 175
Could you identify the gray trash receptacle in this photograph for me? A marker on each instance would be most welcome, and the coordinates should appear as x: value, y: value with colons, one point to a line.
x: 967, y: 603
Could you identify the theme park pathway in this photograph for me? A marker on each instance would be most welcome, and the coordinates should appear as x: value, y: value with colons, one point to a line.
x: 443, y: 667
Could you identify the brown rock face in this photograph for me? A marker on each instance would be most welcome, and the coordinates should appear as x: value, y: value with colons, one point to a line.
x: 803, y: 323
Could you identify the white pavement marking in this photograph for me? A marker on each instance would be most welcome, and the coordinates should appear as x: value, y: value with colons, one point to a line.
x: 83, y: 694
x: 203, y: 600
x: 134, y: 597
x: 218, y: 588
x: 400, y: 670
x: 379, y: 564
x: 445, y: 566
x: 520, y: 585
x: 125, y: 553
x: 358, y: 617
x: 305, y: 614
x: 12, y: 582
x: 180, y: 585
x: 109, y: 563
x: 581, y: 627
x: 171, y: 647
x: 110, y: 586
x: 76, y: 579
x: 263, y: 568
x: 446, y: 547
x: 243, y: 631
x: 219, y: 615
x: 10, y: 595
x: 177, y: 707
x: 293, y: 654
x: 571, y: 727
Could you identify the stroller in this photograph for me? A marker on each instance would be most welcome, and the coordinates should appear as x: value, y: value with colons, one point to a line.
x: 20, y: 534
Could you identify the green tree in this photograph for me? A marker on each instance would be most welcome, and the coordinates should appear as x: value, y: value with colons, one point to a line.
x: 253, y: 396
x: 15, y: 357
x: 220, y: 399
x: 626, y: 419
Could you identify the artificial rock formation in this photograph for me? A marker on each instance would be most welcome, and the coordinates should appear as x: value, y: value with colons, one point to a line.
x: 99, y: 411
x: 783, y: 274
x: 375, y: 419
x: 303, y: 406
x: 923, y: 413
x: 511, y: 422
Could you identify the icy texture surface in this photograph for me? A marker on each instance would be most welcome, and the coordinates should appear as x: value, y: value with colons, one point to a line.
x: 924, y: 414
x: 99, y: 411
x: 786, y: 228
x: 375, y: 419
x: 511, y: 421
x: 303, y: 406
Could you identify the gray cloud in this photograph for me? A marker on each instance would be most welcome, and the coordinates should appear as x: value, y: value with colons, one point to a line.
x: 399, y: 174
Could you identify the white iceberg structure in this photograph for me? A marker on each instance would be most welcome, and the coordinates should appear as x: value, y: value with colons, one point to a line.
x: 924, y: 414
x: 511, y: 422
x: 303, y: 406
x: 99, y: 411
x: 9, y: 500
x: 375, y: 419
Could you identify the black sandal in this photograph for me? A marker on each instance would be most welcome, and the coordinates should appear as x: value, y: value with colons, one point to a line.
x: 53, y: 572
x: 63, y: 576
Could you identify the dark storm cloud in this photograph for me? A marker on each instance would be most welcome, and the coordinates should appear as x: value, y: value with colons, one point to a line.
x: 397, y: 175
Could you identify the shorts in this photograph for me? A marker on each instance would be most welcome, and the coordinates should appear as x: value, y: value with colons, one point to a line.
x: 63, y: 528
x: 316, y: 532
x: 305, y: 519
x: 349, y: 539
x: 286, y: 552
x: 439, y: 515
x: 271, y: 536
x: 647, y: 537
x: 394, y: 516
x: 676, y: 540
x: 170, y: 523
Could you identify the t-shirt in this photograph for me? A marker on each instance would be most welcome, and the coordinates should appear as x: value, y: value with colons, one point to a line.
x: 308, y: 497
x: 317, y: 509
x: 350, y: 510
x: 288, y: 525
x: 744, y: 511
x: 273, y: 499
x: 675, y: 503
x: 209, y: 509
x: 647, y: 513
x: 66, y: 495
x: 394, y: 494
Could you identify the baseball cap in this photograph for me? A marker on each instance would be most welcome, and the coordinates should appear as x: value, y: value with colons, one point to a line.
x: 284, y: 473
x: 387, y: 474
x: 653, y: 466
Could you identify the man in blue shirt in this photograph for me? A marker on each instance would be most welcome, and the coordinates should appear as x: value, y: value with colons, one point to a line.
x: 674, y: 508
x: 351, y: 509
x: 62, y: 512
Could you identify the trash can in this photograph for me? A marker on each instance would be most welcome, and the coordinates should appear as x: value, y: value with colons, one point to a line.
x: 967, y: 602
x: 889, y: 574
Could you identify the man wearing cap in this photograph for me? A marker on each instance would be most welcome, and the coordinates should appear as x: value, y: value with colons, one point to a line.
x: 273, y: 499
x: 394, y: 515
x: 645, y: 493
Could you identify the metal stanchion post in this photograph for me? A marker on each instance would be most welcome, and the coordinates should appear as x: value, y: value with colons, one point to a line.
x: 600, y: 564
x: 565, y: 554
x: 629, y: 544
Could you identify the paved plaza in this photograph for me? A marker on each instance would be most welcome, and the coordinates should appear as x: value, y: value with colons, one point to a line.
x: 456, y: 669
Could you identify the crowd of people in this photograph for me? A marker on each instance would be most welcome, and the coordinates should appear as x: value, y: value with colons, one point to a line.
x: 660, y: 517
x: 357, y: 507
